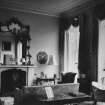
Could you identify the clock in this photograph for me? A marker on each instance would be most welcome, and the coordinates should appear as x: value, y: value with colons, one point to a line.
x: 42, y: 57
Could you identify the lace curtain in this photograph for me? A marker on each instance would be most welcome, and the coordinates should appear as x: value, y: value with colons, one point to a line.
x: 71, y: 50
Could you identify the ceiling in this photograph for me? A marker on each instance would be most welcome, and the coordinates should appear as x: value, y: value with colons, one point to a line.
x: 47, y: 7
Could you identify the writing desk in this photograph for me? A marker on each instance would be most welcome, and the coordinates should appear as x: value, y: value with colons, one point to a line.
x: 70, y: 99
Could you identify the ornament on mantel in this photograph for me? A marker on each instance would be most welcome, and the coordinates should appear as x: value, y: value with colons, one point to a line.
x: 51, y: 62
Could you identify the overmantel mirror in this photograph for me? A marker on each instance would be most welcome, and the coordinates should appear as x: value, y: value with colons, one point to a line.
x: 14, y: 42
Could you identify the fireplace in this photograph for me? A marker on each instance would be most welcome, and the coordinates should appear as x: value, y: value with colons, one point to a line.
x: 12, y: 79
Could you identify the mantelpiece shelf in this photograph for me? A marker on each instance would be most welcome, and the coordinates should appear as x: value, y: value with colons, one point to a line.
x: 6, y: 34
x: 17, y: 66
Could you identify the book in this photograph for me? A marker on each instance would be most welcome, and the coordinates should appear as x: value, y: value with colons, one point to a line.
x: 49, y: 92
x: 7, y: 59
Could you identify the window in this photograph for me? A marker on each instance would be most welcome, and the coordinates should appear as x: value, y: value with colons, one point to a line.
x: 71, y: 49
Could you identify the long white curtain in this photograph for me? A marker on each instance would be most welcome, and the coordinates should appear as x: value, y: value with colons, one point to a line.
x: 71, y: 50
x: 101, y: 51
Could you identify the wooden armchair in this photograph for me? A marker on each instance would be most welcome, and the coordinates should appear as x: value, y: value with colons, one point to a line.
x: 68, y: 77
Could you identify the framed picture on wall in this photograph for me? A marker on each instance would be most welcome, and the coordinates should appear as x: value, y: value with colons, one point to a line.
x: 6, y: 45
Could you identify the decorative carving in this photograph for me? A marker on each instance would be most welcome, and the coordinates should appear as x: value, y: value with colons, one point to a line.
x: 20, y: 33
x: 14, y: 26
x: 75, y: 21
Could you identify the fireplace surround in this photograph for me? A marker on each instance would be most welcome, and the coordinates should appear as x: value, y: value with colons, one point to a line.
x: 15, y: 76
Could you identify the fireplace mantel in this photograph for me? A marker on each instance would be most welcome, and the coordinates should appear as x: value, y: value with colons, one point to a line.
x: 17, y: 66
x: 32, y: 71
x: 22, y: 67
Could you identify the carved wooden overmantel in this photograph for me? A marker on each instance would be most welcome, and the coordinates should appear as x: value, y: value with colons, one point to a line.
x: 20, y: 34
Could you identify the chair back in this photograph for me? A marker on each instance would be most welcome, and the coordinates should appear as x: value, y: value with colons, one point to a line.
x: 68, y: 77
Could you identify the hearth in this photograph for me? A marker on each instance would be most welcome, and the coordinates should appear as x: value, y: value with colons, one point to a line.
x: 12, y: 79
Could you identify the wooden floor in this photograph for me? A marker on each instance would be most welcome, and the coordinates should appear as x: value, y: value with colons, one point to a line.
x: 91, y: 103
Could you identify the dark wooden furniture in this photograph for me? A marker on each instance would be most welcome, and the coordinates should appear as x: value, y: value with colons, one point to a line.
x: 40, y: 81
x: 85, y: 84
x: 63, y: 94
x: 69, y: 99
x: 67, y: 78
